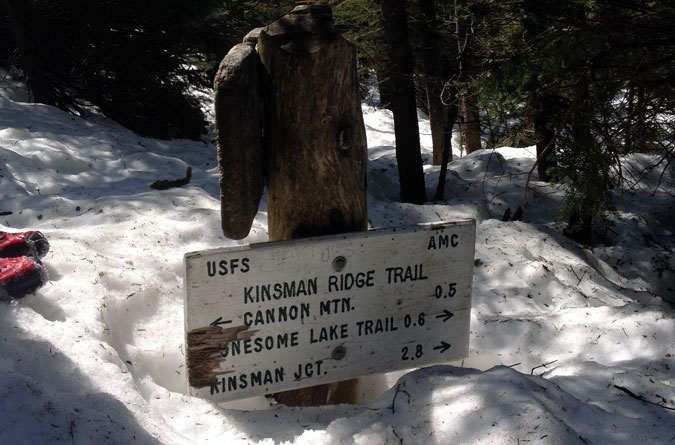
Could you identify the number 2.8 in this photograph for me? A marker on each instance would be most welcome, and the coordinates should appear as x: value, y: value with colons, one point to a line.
x: 418, y: 353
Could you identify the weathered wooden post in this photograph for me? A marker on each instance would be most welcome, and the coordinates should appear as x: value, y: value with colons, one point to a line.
x: 315, y: 144
x: 313, y: 140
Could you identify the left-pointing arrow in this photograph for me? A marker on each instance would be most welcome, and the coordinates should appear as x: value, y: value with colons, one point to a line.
x: 219, y: 321
x: 442, y: 347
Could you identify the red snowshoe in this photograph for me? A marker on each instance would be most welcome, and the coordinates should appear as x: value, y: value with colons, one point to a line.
x: 31, y: 243
x: 20, y: 276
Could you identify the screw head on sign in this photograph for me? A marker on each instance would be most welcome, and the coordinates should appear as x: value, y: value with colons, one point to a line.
x: 339, y: 263
x: 338, y: 353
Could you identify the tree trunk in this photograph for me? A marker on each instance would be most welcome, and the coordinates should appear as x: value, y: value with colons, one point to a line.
x: 633, y: 123
x: 545, y: 137
x: 433, y: 77
x: 469, y: 102
x: 543, y: 105
x: 19, y: 12
x: 315, y: 144
x: 408, y: 156
x: 543, y: 111
x: 447, y: 151
x: 628, y: 121
x: 384, y: 85
x: 471, y: 112
x: 639, y: 132
x: 580, y: 224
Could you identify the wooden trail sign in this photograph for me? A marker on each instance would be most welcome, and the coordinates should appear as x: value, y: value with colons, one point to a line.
x: 290, y: 314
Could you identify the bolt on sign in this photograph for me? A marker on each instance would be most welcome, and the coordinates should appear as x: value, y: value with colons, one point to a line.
x: 275, y: 316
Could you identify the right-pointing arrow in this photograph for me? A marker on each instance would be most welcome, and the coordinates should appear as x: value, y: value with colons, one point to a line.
x: 446, y: 315
x: 442, y: 347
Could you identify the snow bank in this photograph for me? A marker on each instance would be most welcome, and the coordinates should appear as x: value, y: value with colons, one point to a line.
x: 560, y: 338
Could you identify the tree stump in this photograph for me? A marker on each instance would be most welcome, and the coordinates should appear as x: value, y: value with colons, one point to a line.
x: 315, y: 145
x: 239, y: 117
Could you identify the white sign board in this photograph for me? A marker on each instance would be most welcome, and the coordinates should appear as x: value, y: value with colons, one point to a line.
x: 276, y: 316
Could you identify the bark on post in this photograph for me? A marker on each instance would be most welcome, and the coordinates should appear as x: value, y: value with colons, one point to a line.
x: 315, y: 145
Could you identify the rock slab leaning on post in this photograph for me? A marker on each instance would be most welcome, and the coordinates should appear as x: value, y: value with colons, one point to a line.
x: 239, y: 117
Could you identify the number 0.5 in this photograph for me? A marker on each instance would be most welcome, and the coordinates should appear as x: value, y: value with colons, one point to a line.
x: 441, y: 293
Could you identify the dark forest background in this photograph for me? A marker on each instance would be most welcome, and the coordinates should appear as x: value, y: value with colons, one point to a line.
x: 586, y: 81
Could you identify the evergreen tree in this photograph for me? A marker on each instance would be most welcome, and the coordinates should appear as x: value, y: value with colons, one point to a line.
x: 360, y: 22
x: 133, y: 60
x: 596, y: 73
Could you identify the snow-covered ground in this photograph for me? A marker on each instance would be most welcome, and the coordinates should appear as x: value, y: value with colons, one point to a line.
x: 568, y: 345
